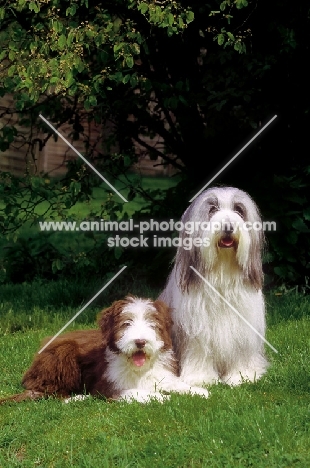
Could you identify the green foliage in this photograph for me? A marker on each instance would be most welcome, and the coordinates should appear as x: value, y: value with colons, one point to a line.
x: 30, y: 253
x: 288, y: 251
x: 59, y: 52
x: 169, y: 15
x: 199, y: 75
x: 7, y: 135
x: 21, y: 197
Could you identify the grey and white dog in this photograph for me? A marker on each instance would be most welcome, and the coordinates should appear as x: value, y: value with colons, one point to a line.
x: 212, y: 342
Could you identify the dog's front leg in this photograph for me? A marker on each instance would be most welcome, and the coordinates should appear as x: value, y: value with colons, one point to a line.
x: 197, y: 366
x: 176, y: 384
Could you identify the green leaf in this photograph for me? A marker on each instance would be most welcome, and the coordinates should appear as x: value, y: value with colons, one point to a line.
x: 300, y: 225
x: 220, y: 39
x: 71, y: 10
x: 127, y: 161
x: 92, y: 100
x: 126, y: 79
x: 307, y: 214
x: 118, y: 252
x: 62, y: 41
x: 241, y: 4
x: 11, y: 54
x: 190, y: 16
x: 129, y: 61
x: 183, y: 100
x: 34, y: 6
x: 118, y: 47
x: 117, y: 25
x: 170, y: 19
x: 57, y: 26
x: 181, y: 22
x: 143, y: 7
x: 239, y: 47
x: 231, y: 36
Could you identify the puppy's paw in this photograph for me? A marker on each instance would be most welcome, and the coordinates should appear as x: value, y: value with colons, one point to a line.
x: 76, y: 398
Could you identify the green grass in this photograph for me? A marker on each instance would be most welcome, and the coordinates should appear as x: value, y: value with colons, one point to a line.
x: 255, y: 425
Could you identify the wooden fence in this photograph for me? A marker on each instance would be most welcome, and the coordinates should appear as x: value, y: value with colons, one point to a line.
x: 25, y: 152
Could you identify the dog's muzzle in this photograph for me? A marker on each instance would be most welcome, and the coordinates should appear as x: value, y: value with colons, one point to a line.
x: 227, y: 241
x: 139, y: 357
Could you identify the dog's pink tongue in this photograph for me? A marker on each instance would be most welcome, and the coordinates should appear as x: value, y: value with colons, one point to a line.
x: 139, y: 358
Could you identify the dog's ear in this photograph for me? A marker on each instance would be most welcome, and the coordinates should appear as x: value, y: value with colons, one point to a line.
x: 164, y: 322
x: 164, y: 311
x: 191, y: 255
x: 255, y: 269
x: 107, y: 318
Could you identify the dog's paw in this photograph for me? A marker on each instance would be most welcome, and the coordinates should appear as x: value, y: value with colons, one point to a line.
x: 238, y: 378
x: 142, y: 396
x: 197, y: 380
x: 203, y: 392
x: 75, y: 398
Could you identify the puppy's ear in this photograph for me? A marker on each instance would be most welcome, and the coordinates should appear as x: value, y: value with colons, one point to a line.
x: 106, y: 321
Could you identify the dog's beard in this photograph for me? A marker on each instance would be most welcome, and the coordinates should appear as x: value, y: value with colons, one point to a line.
x: 230, y: 259
x: 227, y: 254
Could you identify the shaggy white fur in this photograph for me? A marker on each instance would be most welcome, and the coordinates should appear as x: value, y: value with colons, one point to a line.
x: 212, y: 342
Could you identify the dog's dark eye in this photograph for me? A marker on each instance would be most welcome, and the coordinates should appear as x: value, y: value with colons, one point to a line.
x: 213, y: 209
x: 240, y: 210
x: 126, y: 324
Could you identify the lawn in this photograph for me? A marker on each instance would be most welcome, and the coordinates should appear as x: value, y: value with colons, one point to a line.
x: 265, y: 424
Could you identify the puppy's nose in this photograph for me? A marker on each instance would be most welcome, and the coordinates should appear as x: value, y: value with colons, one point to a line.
x: 140, y: 343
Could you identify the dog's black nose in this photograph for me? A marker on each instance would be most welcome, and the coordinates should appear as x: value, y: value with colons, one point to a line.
x: 140, y: 343
x: 228, y: 228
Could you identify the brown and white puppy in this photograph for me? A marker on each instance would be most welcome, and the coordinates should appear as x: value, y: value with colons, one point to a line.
x: 130, y: 357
